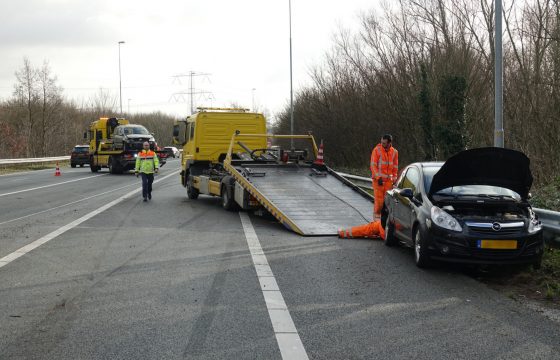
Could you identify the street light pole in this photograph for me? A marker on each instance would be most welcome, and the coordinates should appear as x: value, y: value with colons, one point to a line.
x: 291, y: 87
x: 129, y: 107
x: 498, y: 78
x: 120, y: 81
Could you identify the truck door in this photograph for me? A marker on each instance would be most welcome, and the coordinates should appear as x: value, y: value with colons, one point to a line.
x: 98, y: 136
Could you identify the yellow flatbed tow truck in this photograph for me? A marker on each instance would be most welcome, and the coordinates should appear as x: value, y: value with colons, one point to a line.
x: 304, y: 195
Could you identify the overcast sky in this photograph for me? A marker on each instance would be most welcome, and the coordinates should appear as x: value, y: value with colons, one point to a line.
x: 242, y: 44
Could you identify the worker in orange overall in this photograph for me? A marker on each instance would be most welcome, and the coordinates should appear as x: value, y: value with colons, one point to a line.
x: 384, y: 167
x: 373, y: 230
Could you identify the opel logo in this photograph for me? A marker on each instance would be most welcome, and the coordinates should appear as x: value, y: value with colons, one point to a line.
x: 496, y: 226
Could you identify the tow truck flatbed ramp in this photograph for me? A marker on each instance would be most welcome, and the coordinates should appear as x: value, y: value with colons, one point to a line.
x: 305, y: 200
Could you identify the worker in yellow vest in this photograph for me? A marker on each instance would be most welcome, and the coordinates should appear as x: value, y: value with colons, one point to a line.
x: 147, y: 163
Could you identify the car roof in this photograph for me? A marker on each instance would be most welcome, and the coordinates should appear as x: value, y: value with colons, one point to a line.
x: 82, y: 146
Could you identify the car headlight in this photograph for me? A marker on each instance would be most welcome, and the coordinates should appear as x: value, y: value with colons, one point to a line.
x: 444, y: 220
x: 535, y: 224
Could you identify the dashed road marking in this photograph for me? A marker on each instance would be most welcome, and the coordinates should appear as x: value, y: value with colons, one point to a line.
x: 285, y: 330
x: 35, y: 244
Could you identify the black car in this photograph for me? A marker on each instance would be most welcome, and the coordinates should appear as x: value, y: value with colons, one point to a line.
x: 79, y: 155
x: 471, y: 209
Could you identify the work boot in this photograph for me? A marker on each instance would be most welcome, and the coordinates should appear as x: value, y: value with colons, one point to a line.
x: 145, y: 199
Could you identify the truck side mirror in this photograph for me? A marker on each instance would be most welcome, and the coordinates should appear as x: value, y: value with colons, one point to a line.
x: 180, y: 134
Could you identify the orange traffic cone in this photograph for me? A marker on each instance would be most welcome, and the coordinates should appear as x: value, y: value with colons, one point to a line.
x: 319, y: 160
x: 57, y: 171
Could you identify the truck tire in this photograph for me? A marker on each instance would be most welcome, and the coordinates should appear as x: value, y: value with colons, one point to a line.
x: 192, y: 193
x: 114, y: 166
x: 110, y: 165
x: 228, y: 202
x: 94, y: 168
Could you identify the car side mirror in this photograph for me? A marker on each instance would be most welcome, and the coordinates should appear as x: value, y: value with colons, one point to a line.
x: 407, y: 193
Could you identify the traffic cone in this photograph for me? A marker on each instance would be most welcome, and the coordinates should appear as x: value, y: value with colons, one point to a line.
x: 319, y: 160
x: 57, y: 171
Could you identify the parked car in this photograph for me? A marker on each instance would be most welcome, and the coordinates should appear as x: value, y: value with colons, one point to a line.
x: 79, y: 156
x: 471, y: 209
x: 171, y: 151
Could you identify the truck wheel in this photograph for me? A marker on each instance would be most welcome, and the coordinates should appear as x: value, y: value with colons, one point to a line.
x: 228, y: 202
x: 110, y: 165
x: 94, y: 168
x: 192, y: 193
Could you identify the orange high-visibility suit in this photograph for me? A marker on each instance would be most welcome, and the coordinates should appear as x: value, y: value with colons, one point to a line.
x: 373, y: 230
x: 384, y: 165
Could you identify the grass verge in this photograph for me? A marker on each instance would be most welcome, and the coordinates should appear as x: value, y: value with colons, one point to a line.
x: 542, y: 284
x: 14, y: 168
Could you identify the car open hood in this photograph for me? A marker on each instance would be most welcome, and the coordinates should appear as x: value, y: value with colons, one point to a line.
x: 486, y: 166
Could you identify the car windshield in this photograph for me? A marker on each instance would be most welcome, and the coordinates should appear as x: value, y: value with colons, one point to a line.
x: 81, y: 149
x: 136, y: 130
x: 468, y: 190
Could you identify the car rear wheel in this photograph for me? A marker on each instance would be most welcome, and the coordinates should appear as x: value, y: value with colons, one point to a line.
x: 73, y: 165
x: 421, y: 257
x: 389, y: 239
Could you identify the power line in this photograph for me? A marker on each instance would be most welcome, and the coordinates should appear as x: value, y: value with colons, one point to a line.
x: 179, y: 96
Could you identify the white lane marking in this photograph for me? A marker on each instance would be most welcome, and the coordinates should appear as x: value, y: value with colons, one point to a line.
x: 285, y: 330
x: 51, y: 185
x: 35, y: 244
x: 70, y: 203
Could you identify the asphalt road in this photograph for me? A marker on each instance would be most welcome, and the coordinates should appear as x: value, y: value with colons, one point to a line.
x: 89, y: 271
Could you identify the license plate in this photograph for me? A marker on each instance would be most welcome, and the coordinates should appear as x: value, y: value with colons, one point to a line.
x: 497, y: 244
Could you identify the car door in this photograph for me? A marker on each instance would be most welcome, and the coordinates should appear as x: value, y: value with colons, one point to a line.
x: 405, y: 208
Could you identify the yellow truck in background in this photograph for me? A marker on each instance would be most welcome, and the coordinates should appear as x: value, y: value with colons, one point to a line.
x: 114, y: 144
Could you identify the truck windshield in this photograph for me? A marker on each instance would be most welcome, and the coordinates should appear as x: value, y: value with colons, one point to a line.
x: 136, y: 130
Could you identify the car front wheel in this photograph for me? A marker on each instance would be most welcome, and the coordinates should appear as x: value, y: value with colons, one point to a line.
x: 389, y: 239
x: 421, y: 257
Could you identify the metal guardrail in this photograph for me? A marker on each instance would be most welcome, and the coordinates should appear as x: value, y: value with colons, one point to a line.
x: 550, y: 219
x: 32, y: 160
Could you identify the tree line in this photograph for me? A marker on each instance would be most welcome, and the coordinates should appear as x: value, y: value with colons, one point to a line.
x: 38, y: 121
x: 423, y: 70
